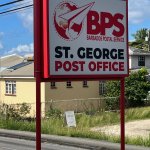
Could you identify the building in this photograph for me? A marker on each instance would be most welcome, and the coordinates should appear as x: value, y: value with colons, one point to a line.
x: 18, y: 85
x: 138, y: 58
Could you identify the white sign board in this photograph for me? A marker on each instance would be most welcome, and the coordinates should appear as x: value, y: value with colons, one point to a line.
x: 87, y: 38
x: 70, y: 118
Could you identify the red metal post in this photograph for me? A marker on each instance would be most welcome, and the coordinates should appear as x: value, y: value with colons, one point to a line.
x: 122, y: 114
x: 38, y: 112
x: 37, y: 66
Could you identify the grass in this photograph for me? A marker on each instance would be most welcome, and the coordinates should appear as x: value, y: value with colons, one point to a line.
x: 84, y: 123
x: 17, y: 125
x: 137, y: 114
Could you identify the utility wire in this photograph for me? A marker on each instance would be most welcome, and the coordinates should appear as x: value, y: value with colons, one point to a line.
x: 16, y: 11
x: 17, y: 6
x: 9, y: 3
x: 12, y: 10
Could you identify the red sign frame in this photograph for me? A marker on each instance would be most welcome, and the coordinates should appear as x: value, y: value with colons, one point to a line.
x: 46, y: 76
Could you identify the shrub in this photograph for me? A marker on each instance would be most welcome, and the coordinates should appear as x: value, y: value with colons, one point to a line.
x: 53, y: 112
x: 112, y: 103
x: 17, y: 112
x: 136, y: 89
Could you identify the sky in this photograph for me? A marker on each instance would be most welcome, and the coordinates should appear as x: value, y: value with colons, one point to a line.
x: 16, y: 29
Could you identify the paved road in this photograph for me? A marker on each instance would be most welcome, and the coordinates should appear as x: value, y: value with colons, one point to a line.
x: 59, y: 142
x: 20, y: 144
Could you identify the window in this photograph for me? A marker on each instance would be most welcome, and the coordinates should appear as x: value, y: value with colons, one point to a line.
x: 53, y: 84
x: 102, y: 88
x: 85, y: 83
x: 141, y: 61
x: 10, y: 87
x: 68, y: 84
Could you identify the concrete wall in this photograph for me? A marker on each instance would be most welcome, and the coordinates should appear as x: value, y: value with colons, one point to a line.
x: 130, y: 62
x: 147, y: 62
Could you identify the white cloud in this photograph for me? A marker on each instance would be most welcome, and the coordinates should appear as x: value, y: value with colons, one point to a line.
x: 139, y: 10
x: 27, y: 16
x: 22, y: 49
x: 27, y: 19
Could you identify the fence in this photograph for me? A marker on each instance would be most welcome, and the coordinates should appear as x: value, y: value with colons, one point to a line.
x: 77, y: 105
x: 89, y: 106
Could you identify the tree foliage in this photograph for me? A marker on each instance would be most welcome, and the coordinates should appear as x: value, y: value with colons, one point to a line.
x: 136, y: 89
x: 139, y: 37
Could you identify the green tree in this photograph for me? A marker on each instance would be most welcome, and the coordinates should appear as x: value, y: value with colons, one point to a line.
x: 136, y: 89
x: 139, y: 37
x: 113, y: 90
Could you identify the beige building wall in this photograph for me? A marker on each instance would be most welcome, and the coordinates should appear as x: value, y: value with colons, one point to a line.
x: 43, y: 109
x: 25, y: 93
x: 76, y: 97
x: 77, y: 91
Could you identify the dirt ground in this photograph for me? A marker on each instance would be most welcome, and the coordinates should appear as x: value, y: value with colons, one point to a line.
x: 132, y: 129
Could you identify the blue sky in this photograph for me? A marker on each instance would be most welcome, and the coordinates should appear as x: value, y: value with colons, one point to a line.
x: 16, y: 29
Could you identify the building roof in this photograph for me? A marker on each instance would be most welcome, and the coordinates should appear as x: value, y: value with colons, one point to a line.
x: 10, y: 60
x: 15, y: 66
x: 136, y: 51
x: 19, y: 70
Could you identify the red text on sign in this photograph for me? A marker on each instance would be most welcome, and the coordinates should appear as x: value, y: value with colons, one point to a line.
x: 69, y: 66
x: 106, y: 66
x: 99, y: 23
